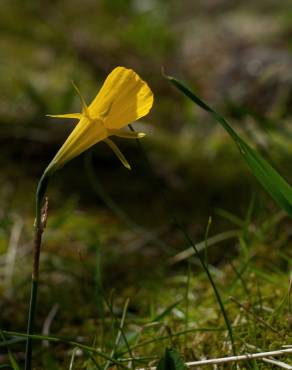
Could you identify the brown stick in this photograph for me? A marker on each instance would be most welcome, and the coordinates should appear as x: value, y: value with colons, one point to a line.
x: 39, y: 229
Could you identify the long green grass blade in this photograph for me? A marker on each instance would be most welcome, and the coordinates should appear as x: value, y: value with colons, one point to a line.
x: 73, y: 343
x: 269, y: 178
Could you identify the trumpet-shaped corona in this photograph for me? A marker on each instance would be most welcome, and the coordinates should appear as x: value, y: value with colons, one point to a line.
x: 123, y: 98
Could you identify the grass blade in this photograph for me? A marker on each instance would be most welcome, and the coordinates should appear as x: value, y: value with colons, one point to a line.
x: 157, y: 184
x: 13, y: 363
x: 269, y: 178
x: 167, y: 311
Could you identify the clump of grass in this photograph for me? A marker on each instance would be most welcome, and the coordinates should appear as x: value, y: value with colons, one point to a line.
x: 157, y: 313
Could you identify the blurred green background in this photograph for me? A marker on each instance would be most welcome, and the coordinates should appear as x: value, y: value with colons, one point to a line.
x: 235, y: 54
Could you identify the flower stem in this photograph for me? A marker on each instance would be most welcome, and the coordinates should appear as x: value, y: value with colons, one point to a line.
x: 40, y: 223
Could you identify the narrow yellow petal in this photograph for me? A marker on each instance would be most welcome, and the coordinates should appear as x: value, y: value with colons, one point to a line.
x: 118, y: 153
x: 69, y: 115
x: 83, y: 103
x: 126, y: 134
x: 125, y: 96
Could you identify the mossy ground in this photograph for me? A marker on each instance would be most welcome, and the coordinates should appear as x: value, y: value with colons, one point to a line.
x: 169, y: 304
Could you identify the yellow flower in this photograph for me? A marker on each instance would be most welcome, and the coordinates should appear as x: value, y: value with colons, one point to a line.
x: 123, y: 98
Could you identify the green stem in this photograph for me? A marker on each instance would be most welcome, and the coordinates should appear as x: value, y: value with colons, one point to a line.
x: 30, y: 323
x: 39, y: 228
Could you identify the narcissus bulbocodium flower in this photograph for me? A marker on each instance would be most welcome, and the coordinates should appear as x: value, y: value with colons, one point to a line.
x: 123, y: 98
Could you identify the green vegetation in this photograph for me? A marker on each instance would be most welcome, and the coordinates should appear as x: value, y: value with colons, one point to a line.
x: 125, y: 253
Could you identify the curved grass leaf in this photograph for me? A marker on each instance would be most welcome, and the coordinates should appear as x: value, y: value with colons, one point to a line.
x: 167, y: 311
x: 270, y: 179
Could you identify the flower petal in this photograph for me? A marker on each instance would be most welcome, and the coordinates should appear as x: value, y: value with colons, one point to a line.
x: 67, y: 115
x: 123, y: 98
x: 117, y: 152
x: 82, y: 100
x: 85, y: 134
x: 126, y: 134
